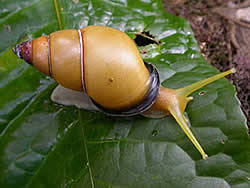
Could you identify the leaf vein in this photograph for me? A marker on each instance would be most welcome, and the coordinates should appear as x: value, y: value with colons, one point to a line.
x: 86, y: 152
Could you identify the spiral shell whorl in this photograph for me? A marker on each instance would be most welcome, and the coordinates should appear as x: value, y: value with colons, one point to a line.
x: 101, y: 61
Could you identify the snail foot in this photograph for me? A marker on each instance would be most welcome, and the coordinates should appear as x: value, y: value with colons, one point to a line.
x: 68, y: 97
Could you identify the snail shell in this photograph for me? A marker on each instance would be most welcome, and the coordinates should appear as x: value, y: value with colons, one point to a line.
x: 86, y: 60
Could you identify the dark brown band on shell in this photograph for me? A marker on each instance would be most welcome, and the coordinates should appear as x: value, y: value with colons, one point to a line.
x: 147, y: 102
x: 49, y: 56
x: 24, y: 51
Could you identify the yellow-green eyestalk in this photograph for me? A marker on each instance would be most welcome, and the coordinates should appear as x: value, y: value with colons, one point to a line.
x: 104, y: 65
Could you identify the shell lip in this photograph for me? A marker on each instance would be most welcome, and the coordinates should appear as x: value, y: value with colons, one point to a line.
x: 148, y: 101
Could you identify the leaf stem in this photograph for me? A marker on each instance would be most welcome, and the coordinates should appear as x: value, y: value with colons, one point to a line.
x: 58, y: 15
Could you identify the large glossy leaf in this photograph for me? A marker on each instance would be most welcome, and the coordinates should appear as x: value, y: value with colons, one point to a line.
x: 47, y: 145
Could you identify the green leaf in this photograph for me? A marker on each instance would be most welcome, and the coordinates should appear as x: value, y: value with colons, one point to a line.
x: 43, y: 144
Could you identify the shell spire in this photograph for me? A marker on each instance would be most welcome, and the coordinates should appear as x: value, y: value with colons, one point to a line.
x: 24, y: 51
x: 36, y: 53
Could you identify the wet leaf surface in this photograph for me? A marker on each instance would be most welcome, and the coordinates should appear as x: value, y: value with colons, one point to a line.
x: 47, y: 145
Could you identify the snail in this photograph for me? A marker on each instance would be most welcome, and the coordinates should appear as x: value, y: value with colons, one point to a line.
x: 103, y: 66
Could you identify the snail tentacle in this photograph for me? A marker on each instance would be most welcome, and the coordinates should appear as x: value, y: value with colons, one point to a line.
x: 174, y: 101
x: 197, y: 85
x: 174, y: 107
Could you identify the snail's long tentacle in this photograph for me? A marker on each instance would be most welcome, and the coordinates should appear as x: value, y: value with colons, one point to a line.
x: 193, y: 87
x: 179, y: 117
x: 174, y: 101
x: 177, y: 109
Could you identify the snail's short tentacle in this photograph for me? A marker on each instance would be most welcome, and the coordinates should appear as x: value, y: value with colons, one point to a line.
x: 193, y: 87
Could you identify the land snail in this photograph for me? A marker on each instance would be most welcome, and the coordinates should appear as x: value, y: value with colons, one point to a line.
x: 101, y: 69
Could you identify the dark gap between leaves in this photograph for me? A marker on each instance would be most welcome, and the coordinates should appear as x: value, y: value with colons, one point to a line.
x: 145, y: 38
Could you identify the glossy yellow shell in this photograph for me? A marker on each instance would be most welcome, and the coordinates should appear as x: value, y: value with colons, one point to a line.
x: 114, y: 73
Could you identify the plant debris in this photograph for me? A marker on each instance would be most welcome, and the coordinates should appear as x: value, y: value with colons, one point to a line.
x: 145, y: 38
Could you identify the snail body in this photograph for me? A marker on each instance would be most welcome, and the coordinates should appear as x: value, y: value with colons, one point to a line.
x: 103, y: 66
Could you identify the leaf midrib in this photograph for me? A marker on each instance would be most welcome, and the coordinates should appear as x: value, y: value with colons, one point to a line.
x: 86, y: 151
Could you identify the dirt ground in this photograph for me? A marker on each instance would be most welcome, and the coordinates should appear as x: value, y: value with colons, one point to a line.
x: 222, y: 29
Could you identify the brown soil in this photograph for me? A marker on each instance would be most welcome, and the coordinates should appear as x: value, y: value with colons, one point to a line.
x: 222, y: 29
